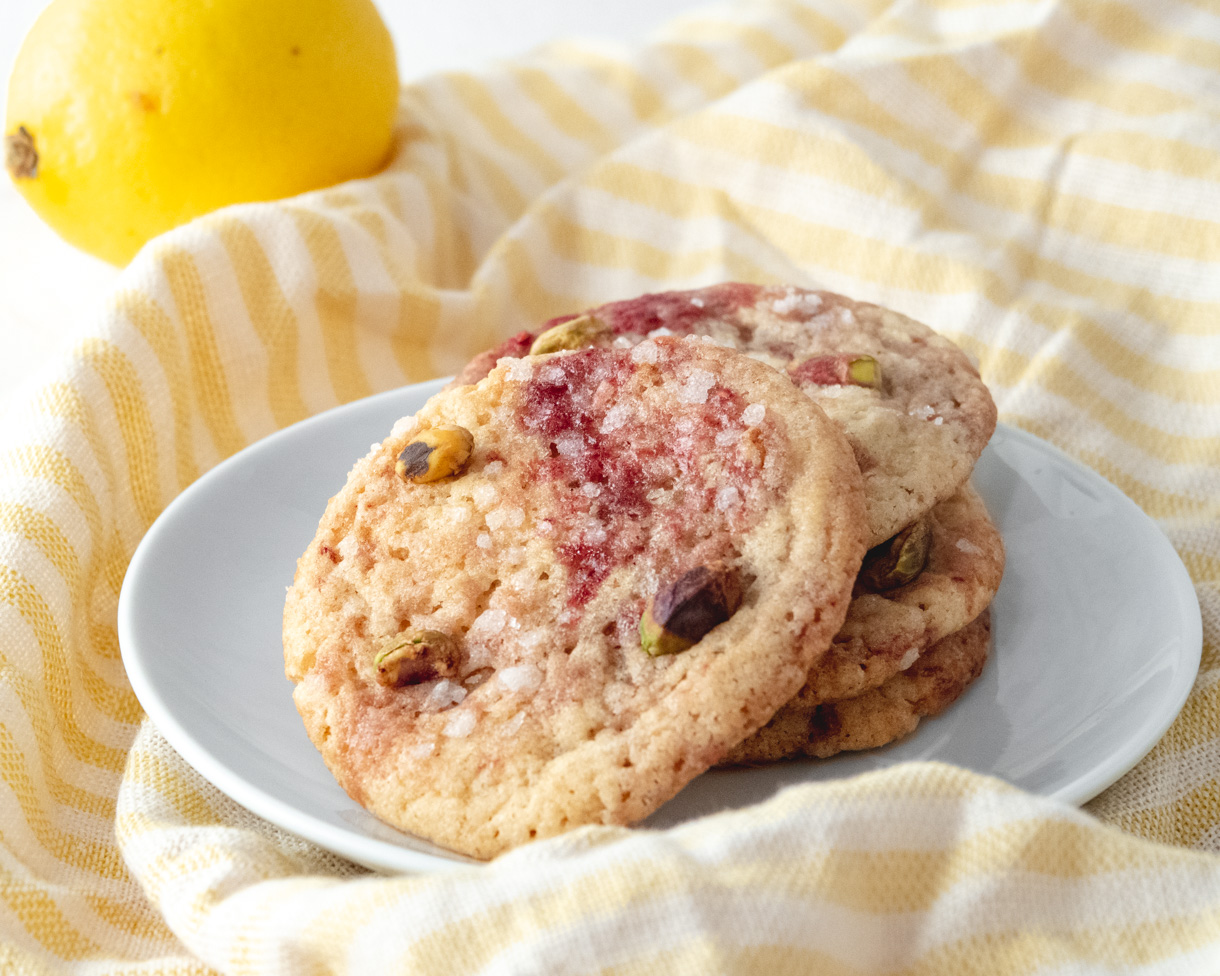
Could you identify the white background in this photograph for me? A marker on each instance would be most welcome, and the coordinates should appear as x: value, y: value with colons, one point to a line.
x: 49, y: 291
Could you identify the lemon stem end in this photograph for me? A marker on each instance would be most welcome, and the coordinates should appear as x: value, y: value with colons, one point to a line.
x: 20, y: 156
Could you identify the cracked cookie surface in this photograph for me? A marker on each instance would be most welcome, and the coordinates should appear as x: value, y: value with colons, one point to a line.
x: 596, y: 478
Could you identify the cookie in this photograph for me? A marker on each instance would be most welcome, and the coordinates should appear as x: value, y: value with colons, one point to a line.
x: 887, y: 629
x: 469, y: 652
x: 889, y: 712
x: 913, y: 407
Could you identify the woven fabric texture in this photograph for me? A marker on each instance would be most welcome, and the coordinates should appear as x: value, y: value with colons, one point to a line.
x: 1040, y: 181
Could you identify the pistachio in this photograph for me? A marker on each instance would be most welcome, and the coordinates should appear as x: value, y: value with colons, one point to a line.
x: 680, y: 614
x: 412, y: 658
x: 865, y: 371
x: 839, y: 370
x: 897, y: 562
x: 435, y: 453
x: 575, y: 333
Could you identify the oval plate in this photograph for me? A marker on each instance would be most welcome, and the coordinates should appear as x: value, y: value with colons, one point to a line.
x: 1096, y: 638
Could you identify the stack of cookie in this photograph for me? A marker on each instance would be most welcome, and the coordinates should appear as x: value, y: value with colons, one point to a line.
x: 725, y: 525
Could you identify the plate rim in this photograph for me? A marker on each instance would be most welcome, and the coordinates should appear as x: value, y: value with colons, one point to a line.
x: 382, y: 855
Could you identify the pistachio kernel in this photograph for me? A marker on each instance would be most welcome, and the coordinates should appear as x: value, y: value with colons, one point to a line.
x: 865, y: 371
x: 412, y: 658
x: 847, y: 369
x: 900, y: 560
x: 682, y: 613
x: 435, y: 453
x: 575, y: 333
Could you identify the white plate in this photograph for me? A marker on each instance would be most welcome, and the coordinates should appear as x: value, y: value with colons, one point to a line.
x: 1097, y: 637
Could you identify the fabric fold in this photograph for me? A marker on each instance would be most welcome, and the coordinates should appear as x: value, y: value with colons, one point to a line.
x: 1036, y: 180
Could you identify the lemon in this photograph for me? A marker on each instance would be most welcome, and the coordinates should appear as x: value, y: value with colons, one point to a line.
x: 128, y: 117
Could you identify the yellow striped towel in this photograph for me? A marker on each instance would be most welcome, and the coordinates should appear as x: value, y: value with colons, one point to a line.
x: 1040, y: 179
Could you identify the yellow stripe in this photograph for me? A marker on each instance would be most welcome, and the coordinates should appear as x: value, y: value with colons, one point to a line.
x: 1123, y: 26
x: 335, y: 300
x: 38, y: 528
x: 271, y: 315
x: 1132, y: 227
x: 452, y: 257
x: 1044, y: 67
x: 564, y: 111
x: 1155, y: 502
x: 700, y: 69
x: 418, y: 308
x: 588, y: 246
x: 825, y: 33
x: 877, y: 260
x: 33, y: 705
x: 135, y: 423
x: 158, y: 331
x: 100, y: 859
x: 760, y: 43
x: 42, y: 463
x: 45, y: 921
x: 647, y: 102
x: 701, y: 954
x: 484, y: 107
x: 858, y: 880
x: 56, y: 671
x: 136, y: 919
x: 214, y: 399
x: 177, y: 787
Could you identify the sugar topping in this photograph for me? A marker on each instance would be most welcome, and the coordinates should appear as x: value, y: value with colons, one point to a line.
x: 696, y: 387
x: 485, y: 495
x: 402, y: 425
x: 488, y: 624
x: 483, y: 540
x: 645, y: 352
x: 621, y: 342
x: 514, y: 555
x: 730, y: 435
x: 616, y: 416
x: 753, y: 415
x: 909, y: 658
x: 522, y: 678
x: 460, y: 725
x: 793, y: 301
x: 513, y: 725
x: 966, y: 546
x: 551, y: 373
x: 570, y: 443
x: 422, y: 750
x: 727, y: 498
x: 509, y: 515
x: 443, y: 694
x: 493, y: 468
x: 661, y: 331
x: 457, y: 513
x: 521, y: 370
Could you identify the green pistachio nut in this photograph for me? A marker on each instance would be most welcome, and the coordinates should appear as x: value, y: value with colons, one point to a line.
x: 575, y: 333
x: 900, y: 560
x: 415, y: 657
x: 865, y: 371
x: 435, y: 453
x: 679, y: 615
